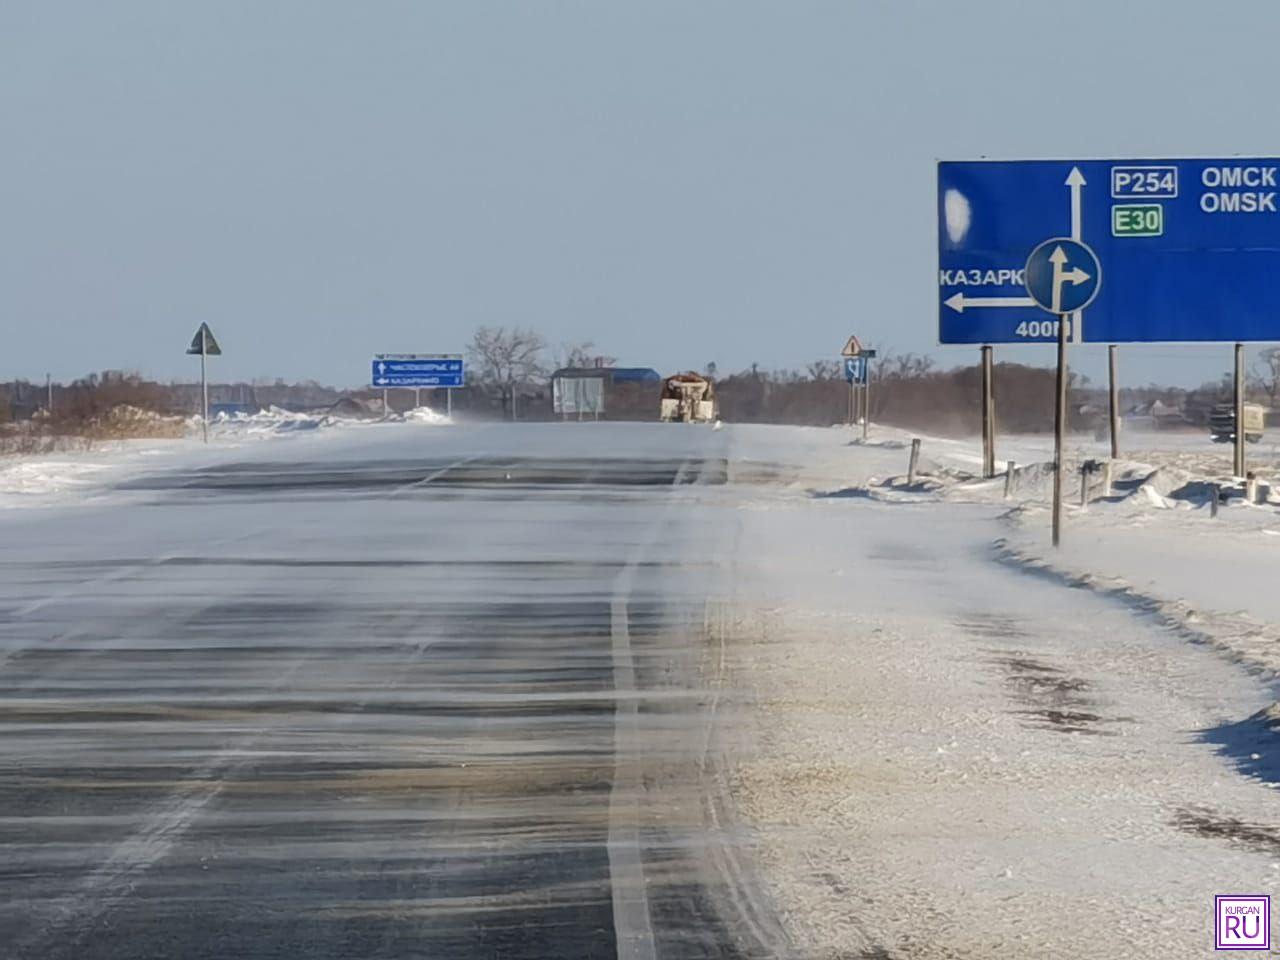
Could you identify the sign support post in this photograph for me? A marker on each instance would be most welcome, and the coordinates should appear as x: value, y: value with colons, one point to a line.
x: 866, y: 398
x: 206, y: 346
x: 988, y: 417
x: 1059, y: 427
x: 1238, y: 399
x: 204, y: 392
x: 1114, y: 405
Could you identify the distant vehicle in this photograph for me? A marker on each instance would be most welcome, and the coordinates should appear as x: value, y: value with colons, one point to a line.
x: 1222, y: 422
x: 688, y: 398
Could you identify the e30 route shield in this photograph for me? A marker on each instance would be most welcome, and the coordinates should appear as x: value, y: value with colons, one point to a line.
x: 1190, y: 250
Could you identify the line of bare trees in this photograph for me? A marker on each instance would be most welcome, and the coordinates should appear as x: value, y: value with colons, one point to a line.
x: 509, y: 369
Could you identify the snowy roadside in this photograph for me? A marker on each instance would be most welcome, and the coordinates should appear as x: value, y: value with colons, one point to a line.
x: 955, y: 759
x: 83, y: 472
x: 1153, y: 543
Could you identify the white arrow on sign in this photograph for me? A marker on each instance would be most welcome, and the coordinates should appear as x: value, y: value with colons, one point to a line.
x: 1075, y: 180
x: 1073, y: 276
x: 382, y: 368
x: 959, y: 301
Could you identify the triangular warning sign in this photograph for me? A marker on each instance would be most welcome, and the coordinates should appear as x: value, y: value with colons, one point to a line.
x: 852, y: 348
x: 203, y: 342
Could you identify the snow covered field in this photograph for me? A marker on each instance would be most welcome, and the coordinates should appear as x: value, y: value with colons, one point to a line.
x: 939, y: 737
x: 81, y: 475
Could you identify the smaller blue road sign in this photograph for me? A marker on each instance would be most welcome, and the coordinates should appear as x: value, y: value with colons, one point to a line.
x: 414, y: 370
x: 1063, y: 275
x: 855, y: 369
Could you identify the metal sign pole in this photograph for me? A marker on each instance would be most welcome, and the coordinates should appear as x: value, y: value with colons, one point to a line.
x: 204, y: 387
x: 851, y: 419
x: 1115, y: 402
x: 866, y: 397
x: 1059, y: 428
x: 988, y: 417
x: 448, y: 402
x: 1239, y: 407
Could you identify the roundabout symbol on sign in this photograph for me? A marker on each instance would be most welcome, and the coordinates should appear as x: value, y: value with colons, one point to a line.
x: 1063, y: 275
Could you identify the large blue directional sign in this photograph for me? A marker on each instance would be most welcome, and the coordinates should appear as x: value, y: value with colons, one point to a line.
x: 1131, y: 250
x: 417, y: 370
x: 855, y: 369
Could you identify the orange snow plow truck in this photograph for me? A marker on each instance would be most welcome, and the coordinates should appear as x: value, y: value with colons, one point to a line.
x: 689, y: 398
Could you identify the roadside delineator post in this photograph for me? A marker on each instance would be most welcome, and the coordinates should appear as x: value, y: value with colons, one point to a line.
x: 913, y: 462
x: 1251, y: 487
x: 1010, y: 478
x: 1215, y: 495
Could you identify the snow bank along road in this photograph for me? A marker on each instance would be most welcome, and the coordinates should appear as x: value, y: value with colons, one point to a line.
x: 593, y: 690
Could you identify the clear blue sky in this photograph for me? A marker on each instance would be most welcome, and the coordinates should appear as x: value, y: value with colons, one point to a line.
x: 679, y: 181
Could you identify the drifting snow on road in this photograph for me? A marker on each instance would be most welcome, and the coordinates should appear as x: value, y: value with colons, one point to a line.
x: 600, y: 689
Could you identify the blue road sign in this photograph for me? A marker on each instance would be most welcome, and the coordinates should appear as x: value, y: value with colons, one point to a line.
x: 1181, y: 250
x: 855, y: 369
x: 411, y: 370
x: 1062, y: 275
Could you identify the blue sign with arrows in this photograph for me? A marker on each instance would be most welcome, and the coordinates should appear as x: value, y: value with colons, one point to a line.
x: 415, y: 370
x: 855, y: 369
x: 1130, y: 251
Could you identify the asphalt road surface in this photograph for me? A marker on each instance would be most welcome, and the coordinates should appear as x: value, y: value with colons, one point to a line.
x: 398, y: 693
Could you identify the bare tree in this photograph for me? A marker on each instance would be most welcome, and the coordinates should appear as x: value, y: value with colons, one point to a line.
x: 1265, y: 375
x: 824, y: 370
x: 506, y: 358
x: 582, y: 354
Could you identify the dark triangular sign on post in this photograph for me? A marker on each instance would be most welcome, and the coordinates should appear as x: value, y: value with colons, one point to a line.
x: 203, y: 342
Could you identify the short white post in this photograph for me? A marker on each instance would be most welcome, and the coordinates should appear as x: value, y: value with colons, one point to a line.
x: 914, y: 461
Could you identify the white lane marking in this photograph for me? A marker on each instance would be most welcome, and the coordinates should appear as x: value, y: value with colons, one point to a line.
x: 434, y: 475
x: 632, y: 924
